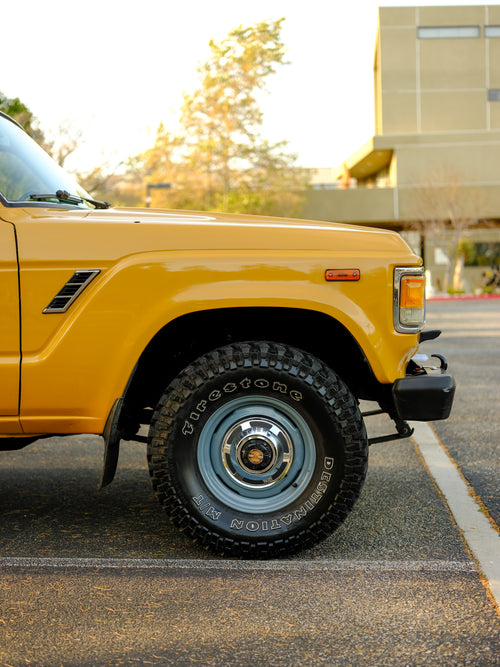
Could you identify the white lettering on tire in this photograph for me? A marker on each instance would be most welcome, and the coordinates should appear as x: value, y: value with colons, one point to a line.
x: 254, y: 525
x: 229, y: 388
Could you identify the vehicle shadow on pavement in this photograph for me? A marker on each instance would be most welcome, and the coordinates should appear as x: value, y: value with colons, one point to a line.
x: 51, y: 507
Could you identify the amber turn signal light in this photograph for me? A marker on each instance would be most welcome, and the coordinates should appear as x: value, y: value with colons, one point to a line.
x: 412, y: 292
x: 342, y: 274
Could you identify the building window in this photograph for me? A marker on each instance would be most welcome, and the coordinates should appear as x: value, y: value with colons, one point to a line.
x: 494, y: 95
x: 449, y: 32
x: 492, y: 30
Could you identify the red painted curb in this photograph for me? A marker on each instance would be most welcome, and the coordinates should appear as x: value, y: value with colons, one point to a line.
x: 462, y: 297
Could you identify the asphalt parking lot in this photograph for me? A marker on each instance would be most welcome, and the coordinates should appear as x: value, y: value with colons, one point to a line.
x: 101, y: 578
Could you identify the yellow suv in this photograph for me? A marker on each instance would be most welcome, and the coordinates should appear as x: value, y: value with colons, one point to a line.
x: 245, y: 343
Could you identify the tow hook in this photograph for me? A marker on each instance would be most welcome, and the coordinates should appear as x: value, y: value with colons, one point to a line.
x: 444, y: 364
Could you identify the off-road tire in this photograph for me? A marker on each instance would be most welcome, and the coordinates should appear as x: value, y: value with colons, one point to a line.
x: 257, y: 450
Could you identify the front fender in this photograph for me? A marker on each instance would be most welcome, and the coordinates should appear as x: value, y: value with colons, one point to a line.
x: 71, y: 380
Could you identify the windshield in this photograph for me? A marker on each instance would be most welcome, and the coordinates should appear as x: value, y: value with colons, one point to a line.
x: 26, y: 169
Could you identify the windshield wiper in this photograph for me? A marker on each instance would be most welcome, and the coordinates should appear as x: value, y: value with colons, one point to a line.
x: 63, y: 195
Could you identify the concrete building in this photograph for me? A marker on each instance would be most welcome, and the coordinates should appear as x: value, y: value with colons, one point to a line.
x: 433, y: 164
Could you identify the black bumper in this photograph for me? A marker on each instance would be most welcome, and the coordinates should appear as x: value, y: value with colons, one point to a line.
x: 424, y: 397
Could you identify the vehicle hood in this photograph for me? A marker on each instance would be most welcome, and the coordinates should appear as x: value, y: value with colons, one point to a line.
x: 148, y: 229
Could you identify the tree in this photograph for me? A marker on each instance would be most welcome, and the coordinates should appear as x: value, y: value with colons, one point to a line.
x: 24, y: 116
x: 64, y: 141
x: 447, y: 204
x: 60, y: 144
x: 218, y: 159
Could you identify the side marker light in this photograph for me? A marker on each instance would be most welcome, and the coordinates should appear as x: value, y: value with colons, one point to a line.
x: 341, y: 275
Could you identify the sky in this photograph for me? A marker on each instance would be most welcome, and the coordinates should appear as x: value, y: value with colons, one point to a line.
x: 116, y: 69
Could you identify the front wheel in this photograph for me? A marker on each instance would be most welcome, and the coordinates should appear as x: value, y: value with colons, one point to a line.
x: 257, y: 450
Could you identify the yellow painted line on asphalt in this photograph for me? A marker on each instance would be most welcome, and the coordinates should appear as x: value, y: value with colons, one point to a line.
x: 478, y: 530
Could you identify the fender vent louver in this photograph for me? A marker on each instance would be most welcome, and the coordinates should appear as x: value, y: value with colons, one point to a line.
x: 71, y: 291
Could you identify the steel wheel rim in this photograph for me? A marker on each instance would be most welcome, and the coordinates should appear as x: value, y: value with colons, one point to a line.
x: 256, y: 454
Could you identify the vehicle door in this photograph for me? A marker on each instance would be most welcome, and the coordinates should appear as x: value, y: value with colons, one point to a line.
x: 10, y: 356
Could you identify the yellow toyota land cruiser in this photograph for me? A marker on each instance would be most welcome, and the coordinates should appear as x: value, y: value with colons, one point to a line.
x: 244, y: 343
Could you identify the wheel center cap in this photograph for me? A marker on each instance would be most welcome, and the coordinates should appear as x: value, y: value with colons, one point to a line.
x: 256, y: 454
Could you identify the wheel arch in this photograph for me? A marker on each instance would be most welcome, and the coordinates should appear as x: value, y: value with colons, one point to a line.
x: 189, y: 336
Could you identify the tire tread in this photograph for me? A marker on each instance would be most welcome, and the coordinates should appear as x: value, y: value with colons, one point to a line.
x: 295, y: 362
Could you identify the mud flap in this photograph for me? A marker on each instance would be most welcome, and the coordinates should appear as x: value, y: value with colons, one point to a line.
x: 112, y: 438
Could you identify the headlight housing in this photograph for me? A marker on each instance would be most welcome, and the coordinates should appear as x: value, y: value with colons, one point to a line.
x: 409, y: 299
